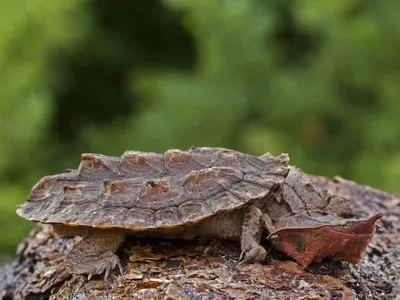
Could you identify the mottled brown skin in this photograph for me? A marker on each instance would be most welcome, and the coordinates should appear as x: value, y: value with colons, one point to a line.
x: 201, y: 193
x: 95, y: 253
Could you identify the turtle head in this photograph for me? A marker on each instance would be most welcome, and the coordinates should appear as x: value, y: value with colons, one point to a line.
x: 313, y: 236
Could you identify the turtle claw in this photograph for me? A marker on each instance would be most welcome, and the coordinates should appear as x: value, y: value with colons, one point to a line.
x: 256, y: 253
x: 107, y: 273
x: 242, y: 259
x: 241, y: 256
x: 108, y: 270
x: 121, y: 269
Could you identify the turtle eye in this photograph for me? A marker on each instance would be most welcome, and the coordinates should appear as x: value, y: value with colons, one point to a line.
x: 151, y: 183
x: 276, y: 187
x: 275, y: 237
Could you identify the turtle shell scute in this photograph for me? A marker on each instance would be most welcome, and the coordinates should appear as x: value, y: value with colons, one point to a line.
x: 144, y: 190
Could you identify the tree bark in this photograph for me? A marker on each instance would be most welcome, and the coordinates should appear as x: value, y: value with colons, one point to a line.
x: 158, y: 269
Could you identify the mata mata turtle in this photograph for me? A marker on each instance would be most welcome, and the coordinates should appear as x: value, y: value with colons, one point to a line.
x: 200, y: 193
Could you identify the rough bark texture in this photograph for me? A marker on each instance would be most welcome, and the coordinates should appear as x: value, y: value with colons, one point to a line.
x: 157, y: 269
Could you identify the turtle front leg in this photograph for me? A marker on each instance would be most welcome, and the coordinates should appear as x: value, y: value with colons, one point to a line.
x: 95, y: 253
x: 268, y: 224
x: 252, y: 229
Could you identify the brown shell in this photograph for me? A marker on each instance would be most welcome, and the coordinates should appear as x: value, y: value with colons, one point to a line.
x: 144, y: 190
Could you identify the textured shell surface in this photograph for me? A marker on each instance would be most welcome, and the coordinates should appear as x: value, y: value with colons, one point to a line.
x: 144, y: 190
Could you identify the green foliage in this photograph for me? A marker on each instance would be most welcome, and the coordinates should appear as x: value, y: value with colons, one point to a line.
x: 315, y: 80
x: 29, y: 33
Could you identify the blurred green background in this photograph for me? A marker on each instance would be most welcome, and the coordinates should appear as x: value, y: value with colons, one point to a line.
x: 319, y: 80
